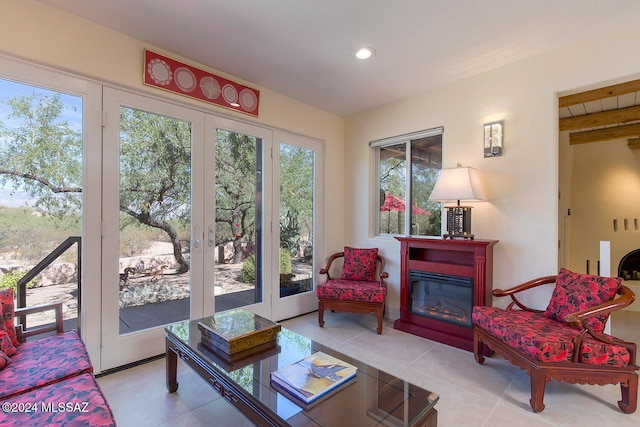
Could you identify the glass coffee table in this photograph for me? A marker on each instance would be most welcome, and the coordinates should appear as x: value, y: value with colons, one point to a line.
x: 372, y: 398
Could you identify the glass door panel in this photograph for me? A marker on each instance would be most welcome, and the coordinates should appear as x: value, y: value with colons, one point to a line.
x: 152, y: 266
x: 239, y: 218
x: 41, y: 186
x: 298, y: 193
x: 296, y: 220
x: 155, y: 220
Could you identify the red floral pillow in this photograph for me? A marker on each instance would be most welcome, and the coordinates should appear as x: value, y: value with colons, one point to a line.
x: 6, y: 300
x: 359, y: 264
x: 4, y: 360
x: 575, y: 292
x: 6, y: 346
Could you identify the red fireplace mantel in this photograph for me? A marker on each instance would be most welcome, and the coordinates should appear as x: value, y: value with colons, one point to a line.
x: 463, y: 258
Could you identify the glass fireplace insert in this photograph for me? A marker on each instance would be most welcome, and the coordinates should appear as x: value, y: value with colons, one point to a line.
x: 442, y: 297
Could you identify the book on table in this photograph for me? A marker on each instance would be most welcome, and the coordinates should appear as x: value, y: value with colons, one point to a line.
x: 313, y: 376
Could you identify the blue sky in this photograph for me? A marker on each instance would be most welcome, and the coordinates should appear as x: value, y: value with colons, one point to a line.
x: 9, y: 89
x: 72, y: 114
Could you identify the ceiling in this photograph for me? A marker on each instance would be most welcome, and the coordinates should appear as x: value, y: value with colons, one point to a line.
x: 602, y: 114
x: 304, y: 49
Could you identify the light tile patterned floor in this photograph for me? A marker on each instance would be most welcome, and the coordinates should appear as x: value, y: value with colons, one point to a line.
x: 493, y: 394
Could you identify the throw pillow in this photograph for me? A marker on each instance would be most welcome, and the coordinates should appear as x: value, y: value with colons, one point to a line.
x: 359, y: 264
x: 4, y: 360
x: 6, y: 346
x: 575, y: 292
x: 8, y: 311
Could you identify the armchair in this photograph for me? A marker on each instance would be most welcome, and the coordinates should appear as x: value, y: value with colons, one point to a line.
x: 565, y: 342
x: 361, y: 287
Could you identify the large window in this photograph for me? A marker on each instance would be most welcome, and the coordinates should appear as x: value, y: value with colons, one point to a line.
x: 407, y: 169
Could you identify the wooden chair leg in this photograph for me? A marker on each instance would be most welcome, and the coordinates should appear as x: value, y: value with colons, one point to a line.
x: 478, y: 348
x: 380, y: 315
x: 538, y: 383
x: 320, y: 314
x: 629, y: 400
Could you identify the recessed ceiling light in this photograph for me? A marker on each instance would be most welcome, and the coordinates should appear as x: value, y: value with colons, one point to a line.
x: 366, y: 53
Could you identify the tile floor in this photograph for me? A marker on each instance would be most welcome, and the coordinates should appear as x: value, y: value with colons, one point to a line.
x: 493, y: 394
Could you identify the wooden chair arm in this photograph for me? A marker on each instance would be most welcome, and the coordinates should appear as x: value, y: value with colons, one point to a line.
x: 383, y: 274
x: 58, y: 326
x: 576, y: 320
x: 511, y: 292
x: 326, y: 269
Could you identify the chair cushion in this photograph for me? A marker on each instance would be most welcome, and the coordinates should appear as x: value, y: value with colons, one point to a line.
x: 76, y: 401
x: 351, y: 290
x: 575, y: 292
x: 44, y: 361
x: 544, y: 339
x: 359, y: 264
x: 8, y: 311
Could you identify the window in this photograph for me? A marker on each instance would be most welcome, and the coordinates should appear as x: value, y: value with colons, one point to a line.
x: 407, y: 168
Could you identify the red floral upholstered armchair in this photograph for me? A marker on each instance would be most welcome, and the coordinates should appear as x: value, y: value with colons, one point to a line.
x: 565, y: 342
x: 360, y: 288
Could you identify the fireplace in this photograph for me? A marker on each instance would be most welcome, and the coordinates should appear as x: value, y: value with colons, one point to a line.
x: 442, y: 297
x: 440, y: 282
x: 629, y: 266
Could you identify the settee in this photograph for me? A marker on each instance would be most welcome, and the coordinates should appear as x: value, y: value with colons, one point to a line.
x: 46, y: 376
x: 565, y: 342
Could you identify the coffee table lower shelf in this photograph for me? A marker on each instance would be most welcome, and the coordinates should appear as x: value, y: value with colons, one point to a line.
x: 256, y: 412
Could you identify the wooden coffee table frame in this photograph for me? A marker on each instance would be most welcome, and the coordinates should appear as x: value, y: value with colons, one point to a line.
x: 255, y: 411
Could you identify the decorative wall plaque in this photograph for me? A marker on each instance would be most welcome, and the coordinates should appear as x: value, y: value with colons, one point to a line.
x: 174, y: 76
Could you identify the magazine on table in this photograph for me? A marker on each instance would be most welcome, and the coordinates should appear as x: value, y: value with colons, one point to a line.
x: 313, y: 376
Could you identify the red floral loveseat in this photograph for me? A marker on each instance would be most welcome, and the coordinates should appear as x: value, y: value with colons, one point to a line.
x: 47, y: 381
x: 565, y: 342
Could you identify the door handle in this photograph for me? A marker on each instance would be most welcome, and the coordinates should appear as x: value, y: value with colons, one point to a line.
x: 195, y: 241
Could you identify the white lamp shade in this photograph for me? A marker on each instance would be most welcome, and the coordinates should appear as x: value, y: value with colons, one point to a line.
x: 456, y: 184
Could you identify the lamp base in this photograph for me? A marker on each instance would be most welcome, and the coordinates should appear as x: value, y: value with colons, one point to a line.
x: 457, y: 236
x: 458, y: 223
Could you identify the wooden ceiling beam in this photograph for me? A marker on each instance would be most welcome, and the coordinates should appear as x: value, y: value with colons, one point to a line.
x: 604, y: 118
x: 608, y: 134
x: 595, y: 94
x: 633, y: 143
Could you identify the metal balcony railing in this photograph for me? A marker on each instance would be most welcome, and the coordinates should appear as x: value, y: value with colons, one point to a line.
x: 47, y: 261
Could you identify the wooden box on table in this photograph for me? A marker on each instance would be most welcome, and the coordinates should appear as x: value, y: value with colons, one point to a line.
x: 238, y: 331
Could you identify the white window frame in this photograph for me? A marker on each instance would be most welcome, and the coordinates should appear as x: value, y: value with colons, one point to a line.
x: 386, y: 142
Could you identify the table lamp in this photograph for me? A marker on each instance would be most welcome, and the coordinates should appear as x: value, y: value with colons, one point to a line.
x: 454, y: 185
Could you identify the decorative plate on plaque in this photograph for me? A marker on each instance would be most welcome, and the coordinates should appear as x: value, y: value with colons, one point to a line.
x: 160, y: 72
x: 248, y: 99
x: 210, y: 87
x: 230, y: 94
x: 185, y: 79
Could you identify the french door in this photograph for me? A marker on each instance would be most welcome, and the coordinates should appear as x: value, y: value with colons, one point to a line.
x: 200, y: 214
x: 153, y: 256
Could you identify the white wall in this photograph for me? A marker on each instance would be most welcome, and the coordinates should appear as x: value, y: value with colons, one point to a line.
x: 57, y: 40
x: 605, y: 186
x: 522, y: 185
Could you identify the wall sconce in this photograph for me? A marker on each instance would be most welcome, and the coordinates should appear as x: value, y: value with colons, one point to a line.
x: 493, y: 139
x: 454, y: 185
